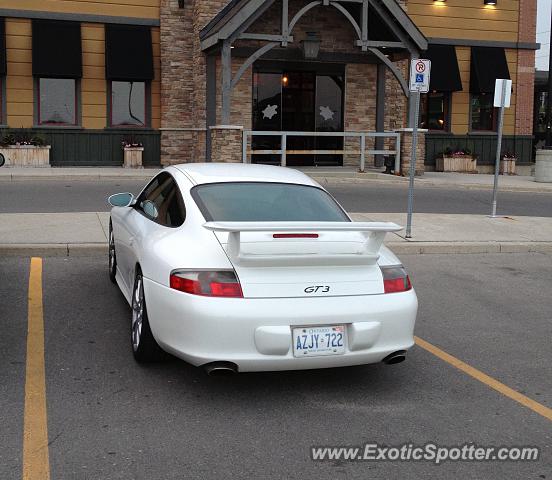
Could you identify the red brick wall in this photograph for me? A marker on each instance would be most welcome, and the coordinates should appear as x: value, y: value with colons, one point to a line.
x: 526, y: 68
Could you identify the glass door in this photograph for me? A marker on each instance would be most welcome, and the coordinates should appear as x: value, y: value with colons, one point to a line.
x: 298, y: 95
x: 329, y: 117
x: 267, y: 114
x: 298, y: 101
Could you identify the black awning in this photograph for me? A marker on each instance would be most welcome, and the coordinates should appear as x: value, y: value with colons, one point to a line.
x: 57, y: 49
x: 128, y: 53
x: 3, y: 63
x: 487, y: 64
x: 445, y: 74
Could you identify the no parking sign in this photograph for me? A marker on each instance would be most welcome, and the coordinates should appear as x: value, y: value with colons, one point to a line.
x: 420, y: 75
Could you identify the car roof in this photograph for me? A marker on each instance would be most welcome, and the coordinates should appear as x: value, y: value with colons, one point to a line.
x: 200, y: 173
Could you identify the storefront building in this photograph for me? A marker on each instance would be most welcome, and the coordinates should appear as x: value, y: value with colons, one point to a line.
x: 191, y: 80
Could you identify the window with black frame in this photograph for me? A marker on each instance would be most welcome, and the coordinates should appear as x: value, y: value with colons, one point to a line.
x: 487, y: 64
x: 1, y: 100
x: 128, y: 104
x: 3, y: 68
x: 129, y: 71
x: 57, y: 77
x: 483, y: 113
x: 434, y: 111
x: 57, y: 101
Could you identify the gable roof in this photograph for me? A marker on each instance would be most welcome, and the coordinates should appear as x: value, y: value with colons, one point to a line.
x: 238, y: 12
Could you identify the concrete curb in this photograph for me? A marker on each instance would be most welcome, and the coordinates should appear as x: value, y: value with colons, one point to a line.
x: 428, y: 248
x: 400, y: 248
x: 79, y: 177
x: 421, y: 183
x: 53, y: 249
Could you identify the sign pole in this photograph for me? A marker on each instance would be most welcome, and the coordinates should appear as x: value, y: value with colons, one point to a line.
x: 498, y: 147
x: 420, y: 75
x: 413, y: 165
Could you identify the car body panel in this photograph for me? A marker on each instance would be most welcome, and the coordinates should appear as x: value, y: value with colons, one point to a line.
x: 201, y: 330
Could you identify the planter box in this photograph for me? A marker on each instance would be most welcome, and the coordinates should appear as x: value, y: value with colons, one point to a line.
x: 26, y: 156
x: 456, y: 163
x: 507, y: 166
x: 133, y: 157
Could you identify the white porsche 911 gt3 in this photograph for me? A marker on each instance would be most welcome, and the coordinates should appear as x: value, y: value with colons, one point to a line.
x: 251, y: 267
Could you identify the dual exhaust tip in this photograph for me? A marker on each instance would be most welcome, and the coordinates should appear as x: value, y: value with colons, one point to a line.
x: 224, y: 369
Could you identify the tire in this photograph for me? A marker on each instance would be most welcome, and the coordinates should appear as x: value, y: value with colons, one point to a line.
x: 112, y: 255
x: 144, y: 346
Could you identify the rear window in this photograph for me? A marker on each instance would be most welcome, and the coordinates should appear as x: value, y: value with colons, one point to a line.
x: 266, y: 202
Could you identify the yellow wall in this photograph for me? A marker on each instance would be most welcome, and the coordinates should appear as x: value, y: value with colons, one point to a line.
x: 93, y: 84
x: 461, y: 100
x: 122, y: 8
x: 470, y: 19
x: 19, y: 82
x: 466, y: 19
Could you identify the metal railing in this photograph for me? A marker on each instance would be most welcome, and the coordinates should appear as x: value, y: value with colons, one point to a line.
x: 361, y: 151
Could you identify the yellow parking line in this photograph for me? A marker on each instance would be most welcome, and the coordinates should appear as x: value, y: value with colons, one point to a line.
x: 486, y: 379
x: 36, y: 465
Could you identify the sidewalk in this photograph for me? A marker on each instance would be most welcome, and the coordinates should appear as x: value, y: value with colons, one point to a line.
x: 323, y: 175
x: 86, y: 233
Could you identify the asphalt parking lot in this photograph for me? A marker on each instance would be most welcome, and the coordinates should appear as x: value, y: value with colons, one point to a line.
x: 109, y: 418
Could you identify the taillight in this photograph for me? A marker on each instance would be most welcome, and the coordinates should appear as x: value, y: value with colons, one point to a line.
x: 207, y: 283
x: 395, y: 279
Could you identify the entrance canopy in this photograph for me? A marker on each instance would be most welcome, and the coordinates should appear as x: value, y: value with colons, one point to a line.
x: 232, y: 22
x: 378, y: 25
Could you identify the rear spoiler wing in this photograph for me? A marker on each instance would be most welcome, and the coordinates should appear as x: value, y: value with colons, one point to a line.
x: 374, y: 233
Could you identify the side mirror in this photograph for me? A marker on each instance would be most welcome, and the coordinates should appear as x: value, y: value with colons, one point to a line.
x: 121, y: 200
x: 150, y: 209
x: 2, y: 160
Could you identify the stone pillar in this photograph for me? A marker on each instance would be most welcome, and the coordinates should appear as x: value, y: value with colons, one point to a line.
x: 406, y: 151
x: 176, y: 84
x: 226, y: 143
x: 183, y: 79
x: 361, y: 81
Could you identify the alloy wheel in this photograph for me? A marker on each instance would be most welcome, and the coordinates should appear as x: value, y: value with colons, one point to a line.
x: 137, y: 312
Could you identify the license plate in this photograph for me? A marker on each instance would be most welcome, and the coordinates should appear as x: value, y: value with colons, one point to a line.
x: 318, y: 341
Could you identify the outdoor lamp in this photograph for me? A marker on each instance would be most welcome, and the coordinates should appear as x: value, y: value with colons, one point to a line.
x: 311, y: 46
x: 490, y: 2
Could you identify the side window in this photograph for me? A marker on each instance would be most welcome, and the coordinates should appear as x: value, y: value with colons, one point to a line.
x: 162, y: 202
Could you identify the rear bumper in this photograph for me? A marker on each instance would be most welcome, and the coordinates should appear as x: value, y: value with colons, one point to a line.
x: 255, y: 334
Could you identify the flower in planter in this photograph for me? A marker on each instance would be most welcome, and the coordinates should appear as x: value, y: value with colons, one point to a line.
x: 131, y: 143
x: 509, y: 155
x: 23, y: 139
x: 457, y: 152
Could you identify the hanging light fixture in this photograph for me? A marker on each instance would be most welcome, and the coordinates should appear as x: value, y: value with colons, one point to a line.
x: 311, y: 46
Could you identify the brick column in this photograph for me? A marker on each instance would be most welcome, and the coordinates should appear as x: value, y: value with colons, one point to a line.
x: 226, y: 143
x: 406, y: 151
x: 525, y: 81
